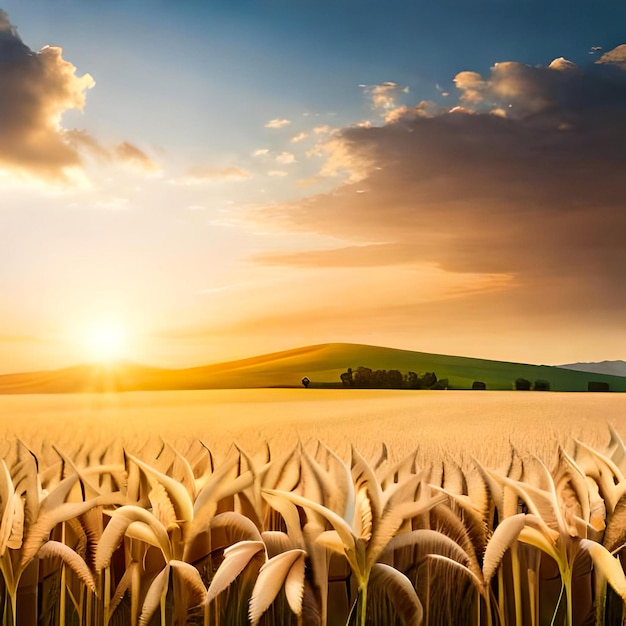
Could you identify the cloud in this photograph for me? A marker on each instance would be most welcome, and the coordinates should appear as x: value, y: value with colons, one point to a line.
x: 261, y: 152
x: 277, y: 173
x: 384, y: 99
x: 286, y: 158
x: 560, y: 89
x: 524, y: 180
x: 201, y: 175
x: 341, y: 159
x: 385, y: 95
x: 426, y: 108
x: 277, y: 123
x: 616, y: 56
x: 36, y: 89
x: 125, y: 152
x: 84, y: 142
x: 563, y: 65
x: 129, y: 153
x: 472, y: 85
x: 299, y: 137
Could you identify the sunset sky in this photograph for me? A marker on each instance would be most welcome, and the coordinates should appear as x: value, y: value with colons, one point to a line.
x: 218, y: 179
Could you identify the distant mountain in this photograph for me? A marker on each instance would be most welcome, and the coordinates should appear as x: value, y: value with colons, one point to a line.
x: 613, y: 368
x: 323, y: 364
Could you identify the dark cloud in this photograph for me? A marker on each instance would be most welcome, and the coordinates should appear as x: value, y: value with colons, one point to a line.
x: 36, y: 88
x: 525, y: 177
x: 11, y: 46
x: 561, y: 90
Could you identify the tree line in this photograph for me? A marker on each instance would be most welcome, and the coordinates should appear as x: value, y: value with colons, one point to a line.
x: 367, y: 378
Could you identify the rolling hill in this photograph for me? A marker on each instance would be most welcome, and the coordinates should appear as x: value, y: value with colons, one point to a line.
x: 322, y: 364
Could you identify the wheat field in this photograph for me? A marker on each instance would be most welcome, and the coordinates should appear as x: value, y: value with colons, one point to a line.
x: 313, y: 507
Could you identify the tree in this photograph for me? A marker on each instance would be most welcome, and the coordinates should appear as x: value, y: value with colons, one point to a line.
x: 346, y: 378
x: 542, y: 385
x: 379, y: 379
x: 394, y: 379
x: 363, y: 377
x: 479, y: 384
x: 521, y: 384
x: 427, y: 380
x: 366, y: 378
x: 306, y: 382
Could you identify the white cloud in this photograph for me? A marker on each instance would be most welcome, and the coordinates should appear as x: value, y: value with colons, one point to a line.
x: 385, y: 95
x: 426, y: 108
x: 299, y: 137
x: 472, y: 86
x: 286, y: 158
x: 562, y: 65
x: 277, y: 123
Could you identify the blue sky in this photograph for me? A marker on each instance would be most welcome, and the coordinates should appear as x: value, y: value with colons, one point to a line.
x: 241, y: 177
x: 232, y: 65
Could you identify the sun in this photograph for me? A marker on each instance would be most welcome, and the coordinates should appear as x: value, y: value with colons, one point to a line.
x: 106, y: 342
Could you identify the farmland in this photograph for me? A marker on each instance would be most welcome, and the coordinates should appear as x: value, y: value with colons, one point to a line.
x: 477, y: 423
x: 183, y: 507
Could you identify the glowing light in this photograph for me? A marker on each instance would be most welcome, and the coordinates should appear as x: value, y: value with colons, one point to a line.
x: 106, y: 342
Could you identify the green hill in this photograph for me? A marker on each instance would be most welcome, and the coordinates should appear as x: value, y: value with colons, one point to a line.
x: 322, y: 364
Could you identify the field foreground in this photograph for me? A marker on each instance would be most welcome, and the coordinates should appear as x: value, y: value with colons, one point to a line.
x: 480, y: 509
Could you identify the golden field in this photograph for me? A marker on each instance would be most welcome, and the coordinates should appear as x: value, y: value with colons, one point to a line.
x: 313, y: 508
x: 482, y: 424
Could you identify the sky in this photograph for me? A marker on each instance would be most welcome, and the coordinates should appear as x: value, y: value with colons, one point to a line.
x: 193, y: 182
